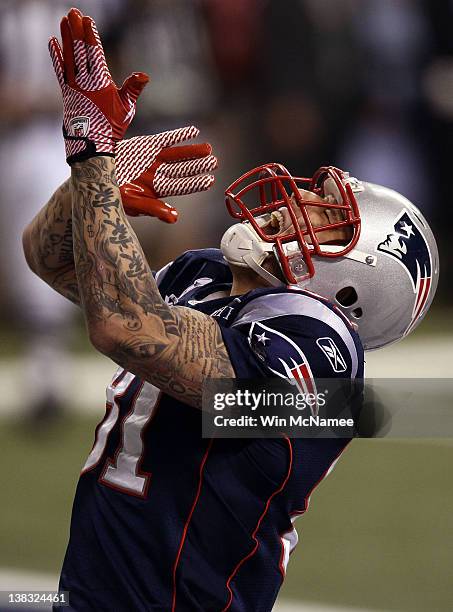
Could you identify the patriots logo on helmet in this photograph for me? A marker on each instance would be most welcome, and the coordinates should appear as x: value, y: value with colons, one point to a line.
x: 407, y: 245
x: 285, y: 358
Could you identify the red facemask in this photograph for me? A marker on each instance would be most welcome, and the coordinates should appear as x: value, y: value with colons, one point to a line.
x: 273, y: 188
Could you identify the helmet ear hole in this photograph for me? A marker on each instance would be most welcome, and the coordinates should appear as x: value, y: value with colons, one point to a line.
x: 357, y: 313
x: 347, y: 296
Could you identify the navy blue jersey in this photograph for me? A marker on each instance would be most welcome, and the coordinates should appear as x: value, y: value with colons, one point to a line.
x: 164, y: 520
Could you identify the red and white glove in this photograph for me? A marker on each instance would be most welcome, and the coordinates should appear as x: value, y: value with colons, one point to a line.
x: 151, y: 167
x: 96, y: 113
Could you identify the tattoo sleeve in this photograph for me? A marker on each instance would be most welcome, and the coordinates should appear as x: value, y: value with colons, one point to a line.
x: 48, y: 244
x: 173, y: 347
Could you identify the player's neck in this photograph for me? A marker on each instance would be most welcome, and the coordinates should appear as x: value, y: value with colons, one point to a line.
x: 245, y: 280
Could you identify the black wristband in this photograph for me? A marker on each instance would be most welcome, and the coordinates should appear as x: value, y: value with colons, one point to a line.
x: 88, y: 152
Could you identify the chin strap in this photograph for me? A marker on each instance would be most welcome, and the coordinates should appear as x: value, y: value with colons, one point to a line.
x: 267, y: 276
x: 241, y: 247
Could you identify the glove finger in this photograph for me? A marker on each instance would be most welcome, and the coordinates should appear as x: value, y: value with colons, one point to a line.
x: 56, y: 56
x: 88, y: 31
x: 78, y: 37
x: 133, y: 87
x: 136, y: 203
x: 178, y: 154
x: 91, y: 31
x: 73, y: 15
x: 189, y: 168
x: 172, y: 137
x: 135, y: 155
x: 171, y: 187
x: 95, y: 52
x: 68, y: 51
x: 157, y: 208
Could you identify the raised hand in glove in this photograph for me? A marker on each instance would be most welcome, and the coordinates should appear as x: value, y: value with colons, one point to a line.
x: 151, y: 167
x: 96, y: 113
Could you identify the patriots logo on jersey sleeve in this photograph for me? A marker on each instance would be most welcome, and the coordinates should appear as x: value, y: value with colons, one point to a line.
x: 283, y: 357
x: 416, y: 260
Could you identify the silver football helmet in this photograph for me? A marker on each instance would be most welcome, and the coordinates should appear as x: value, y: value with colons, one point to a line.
x: 383, y: 277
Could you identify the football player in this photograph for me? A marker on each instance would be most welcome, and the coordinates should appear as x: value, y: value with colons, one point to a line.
x: 164, y: 519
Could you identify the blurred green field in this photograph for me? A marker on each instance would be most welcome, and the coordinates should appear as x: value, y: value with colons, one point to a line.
x: 13, y: 342
x: 378, y: 532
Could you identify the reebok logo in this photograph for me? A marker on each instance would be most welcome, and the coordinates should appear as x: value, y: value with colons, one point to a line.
x: 333, y: 354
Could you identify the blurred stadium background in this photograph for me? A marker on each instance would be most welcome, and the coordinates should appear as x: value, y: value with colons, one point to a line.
x: 363, y: 84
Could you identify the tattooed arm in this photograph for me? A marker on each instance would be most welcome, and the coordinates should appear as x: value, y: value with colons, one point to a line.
x: 173, y: 347
x: 47, y: 243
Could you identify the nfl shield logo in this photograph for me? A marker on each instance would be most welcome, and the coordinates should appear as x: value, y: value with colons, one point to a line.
x: 79, y: 126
